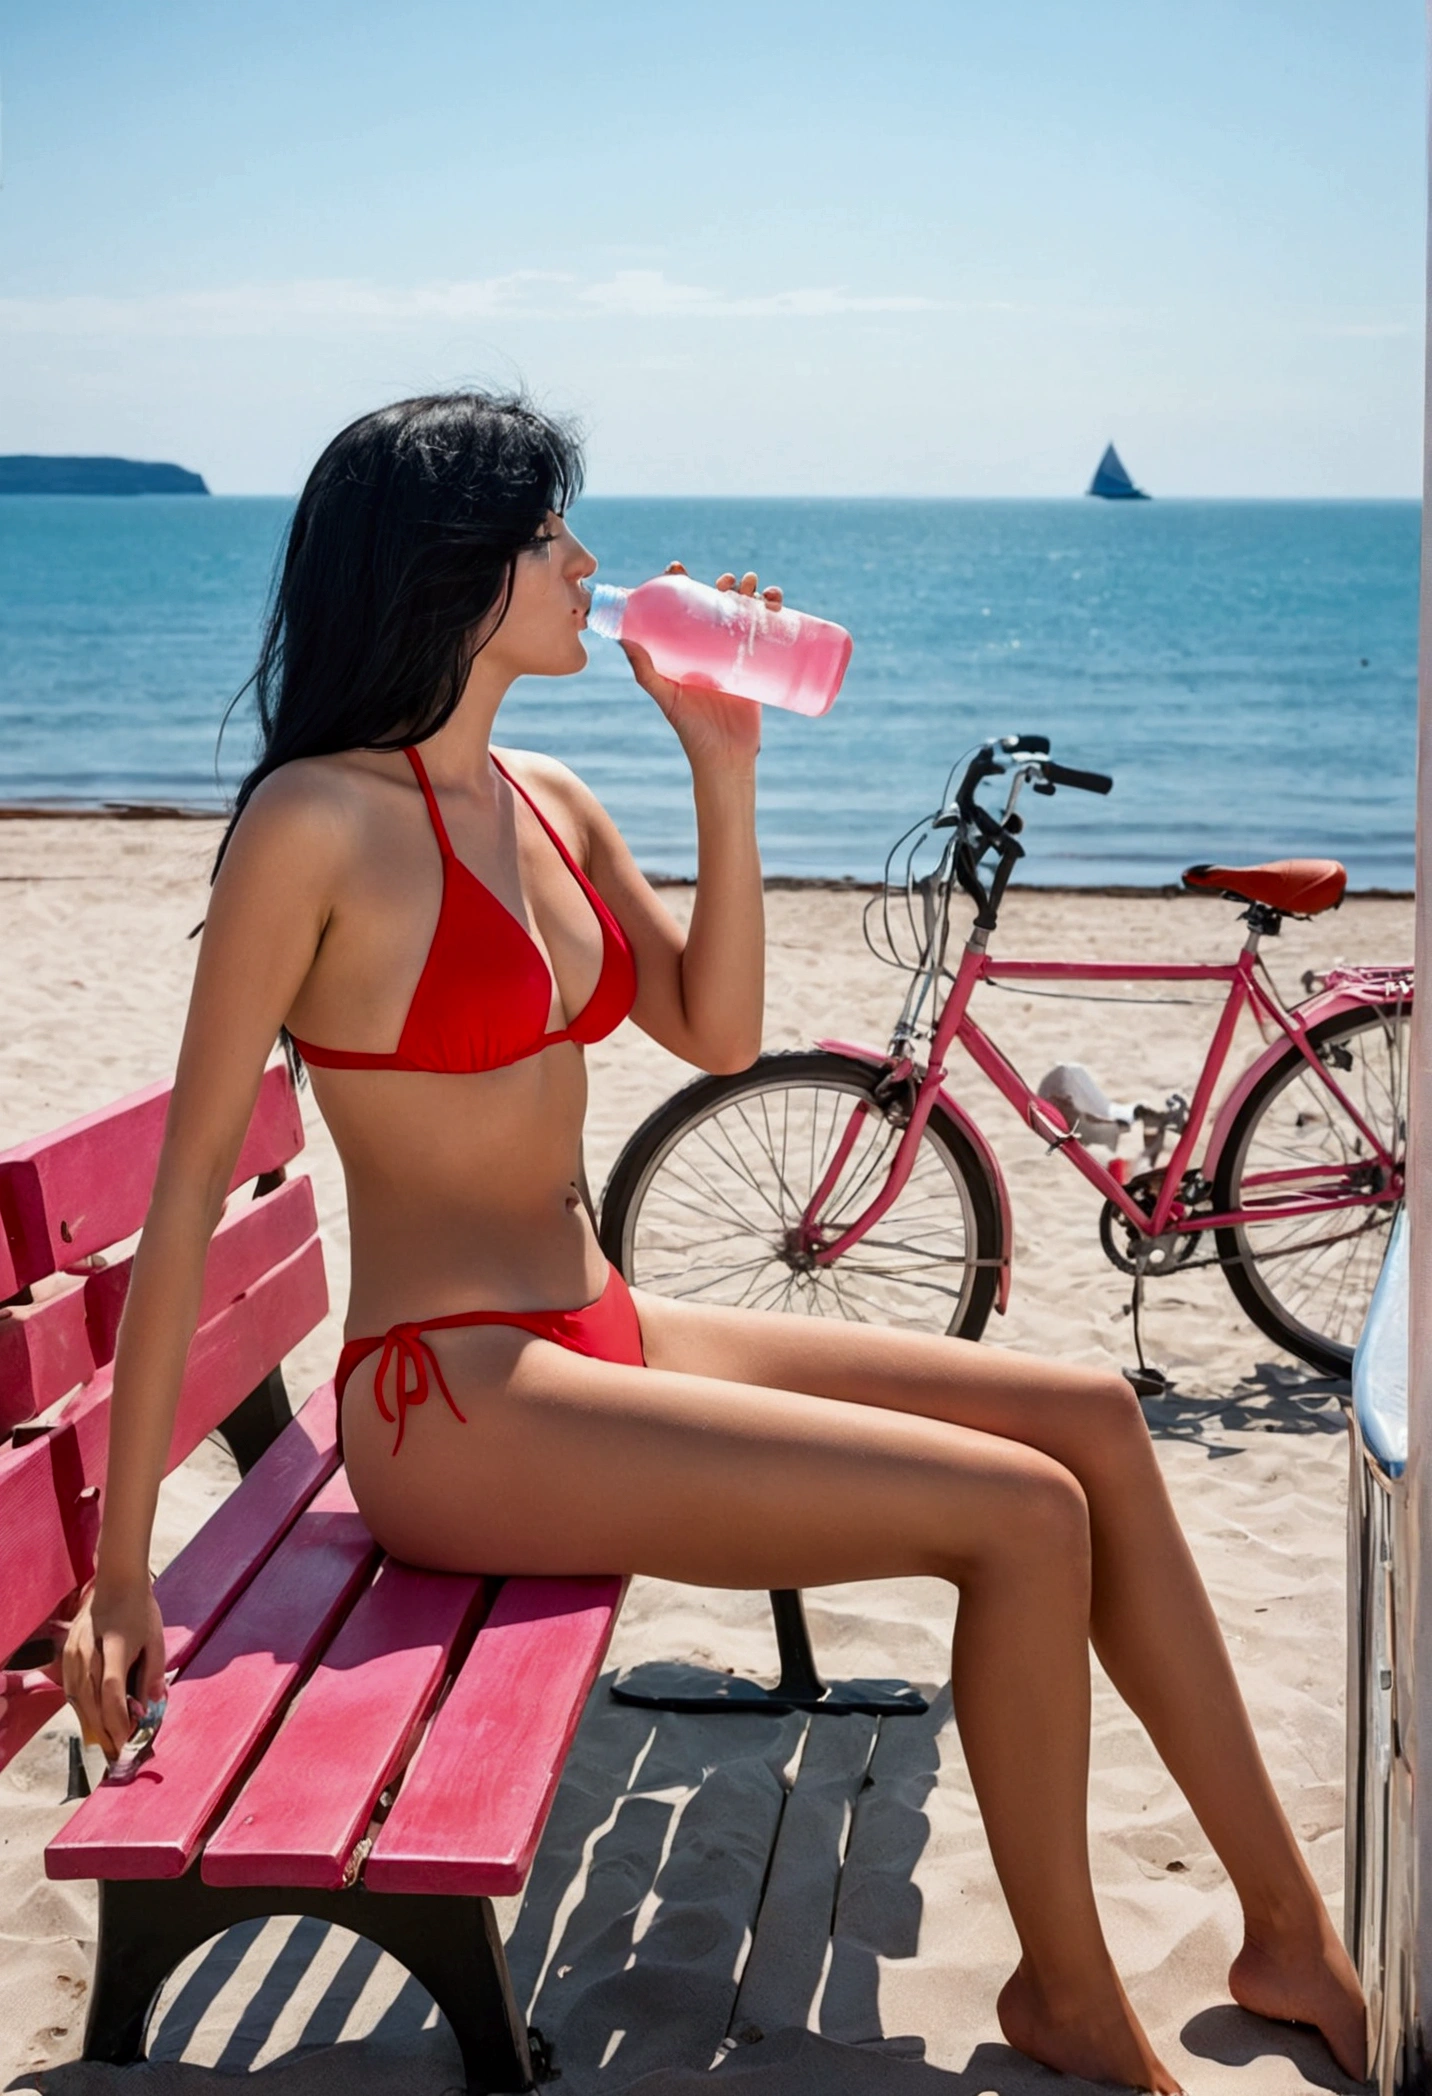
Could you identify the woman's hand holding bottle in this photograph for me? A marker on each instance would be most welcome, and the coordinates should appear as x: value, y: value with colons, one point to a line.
x: 726, y: 640
x: 710, y: 725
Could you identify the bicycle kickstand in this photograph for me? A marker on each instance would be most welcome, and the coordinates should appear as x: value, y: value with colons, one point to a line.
x: 1147, y: 1382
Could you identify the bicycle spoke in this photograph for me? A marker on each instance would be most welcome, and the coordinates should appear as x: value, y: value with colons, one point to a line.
x: 1309, y: 1278
x: 708, y: 1187
x: 719, y: 1204
x: 734, y: 1162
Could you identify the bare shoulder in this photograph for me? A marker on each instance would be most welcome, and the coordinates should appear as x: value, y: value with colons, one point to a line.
x: 557, y: 790
x: 311, y: 817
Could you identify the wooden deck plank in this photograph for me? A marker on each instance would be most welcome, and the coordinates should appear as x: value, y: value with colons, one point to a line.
x: 475, y: 1800
x: 790, y: 1944
x: 81, y: 1188
x: 224, y: 1703
x: 309, y: 1802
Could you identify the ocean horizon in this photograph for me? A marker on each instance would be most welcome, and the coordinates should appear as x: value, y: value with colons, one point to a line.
x: 1245, y: 669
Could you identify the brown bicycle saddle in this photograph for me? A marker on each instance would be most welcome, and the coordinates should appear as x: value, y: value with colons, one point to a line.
x: 1297, y: 887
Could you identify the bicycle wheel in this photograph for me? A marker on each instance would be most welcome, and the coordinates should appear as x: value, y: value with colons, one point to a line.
x: 1307, y: 1280
x: 705, y: 1200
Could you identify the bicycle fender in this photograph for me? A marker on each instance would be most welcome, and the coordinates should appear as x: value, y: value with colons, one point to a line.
x: 862, y: 1052
x: 1327, y: 1004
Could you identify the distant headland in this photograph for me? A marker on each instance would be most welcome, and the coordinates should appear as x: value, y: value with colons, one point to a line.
x: 21, y: 474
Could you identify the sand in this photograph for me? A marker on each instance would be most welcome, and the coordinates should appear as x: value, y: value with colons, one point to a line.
x: 806, y: 1905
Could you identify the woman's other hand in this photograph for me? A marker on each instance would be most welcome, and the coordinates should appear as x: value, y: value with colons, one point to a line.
x: 710, y: 725
x: 113, y: 1630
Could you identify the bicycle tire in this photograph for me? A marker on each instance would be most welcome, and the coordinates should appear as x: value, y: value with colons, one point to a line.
x: 758, y: 1203
x: 1300, y: 1299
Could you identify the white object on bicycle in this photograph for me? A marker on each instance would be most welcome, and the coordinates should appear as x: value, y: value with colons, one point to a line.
x: 1091, y: 1114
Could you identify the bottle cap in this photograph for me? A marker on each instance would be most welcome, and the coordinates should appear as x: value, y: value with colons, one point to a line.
x: 604, y: 615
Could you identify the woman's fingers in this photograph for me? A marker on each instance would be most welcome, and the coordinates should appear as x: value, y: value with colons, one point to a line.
x: 640, y: 661
x: 115, y: 1722
x: 81, y: 1671
x: 74, y: 1667
x: 748, y: 585
x: 647, y: 674
x: 153, y: 1682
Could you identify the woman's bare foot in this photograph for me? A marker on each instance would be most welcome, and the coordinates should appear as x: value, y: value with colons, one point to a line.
x: 1305, y: 1977
x: 1101, y: 2041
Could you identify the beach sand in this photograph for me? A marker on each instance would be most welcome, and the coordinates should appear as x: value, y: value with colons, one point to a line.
x: 807, y: 1904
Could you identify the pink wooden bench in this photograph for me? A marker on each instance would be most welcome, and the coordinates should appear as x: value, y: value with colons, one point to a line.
x: 346, y: 1738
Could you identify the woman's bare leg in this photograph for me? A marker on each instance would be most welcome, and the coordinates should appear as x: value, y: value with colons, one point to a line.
x: 1151, y: 1621
x: 572, y: 1465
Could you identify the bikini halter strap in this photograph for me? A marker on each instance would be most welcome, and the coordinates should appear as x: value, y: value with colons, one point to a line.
x: 434, y: 812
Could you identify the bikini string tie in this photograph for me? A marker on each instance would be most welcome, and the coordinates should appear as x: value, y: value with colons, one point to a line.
x: 412, y: 1360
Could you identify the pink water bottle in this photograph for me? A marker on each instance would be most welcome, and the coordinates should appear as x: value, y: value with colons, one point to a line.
x: 718, y: 640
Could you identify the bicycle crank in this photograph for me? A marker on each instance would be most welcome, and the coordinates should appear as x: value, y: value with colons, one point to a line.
x: 1130, y: 1249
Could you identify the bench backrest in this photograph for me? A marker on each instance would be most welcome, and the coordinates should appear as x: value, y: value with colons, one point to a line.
x: 65, y: 1199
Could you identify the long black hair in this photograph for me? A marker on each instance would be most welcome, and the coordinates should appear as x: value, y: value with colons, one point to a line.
x: 401, y: 548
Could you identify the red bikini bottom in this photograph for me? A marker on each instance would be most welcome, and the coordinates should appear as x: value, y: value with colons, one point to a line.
x: 606, y: 1330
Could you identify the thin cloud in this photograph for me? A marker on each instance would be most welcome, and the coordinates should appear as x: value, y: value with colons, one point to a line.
x: 323, y: 305
x: 1370, y: 330
x: 303, y: 307
x: 649, y: 293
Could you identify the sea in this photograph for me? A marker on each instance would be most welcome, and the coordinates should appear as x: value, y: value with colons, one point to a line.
x: 1246, y: 671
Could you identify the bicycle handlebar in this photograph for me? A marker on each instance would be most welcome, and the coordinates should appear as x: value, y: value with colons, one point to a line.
x: 1086, y: 781
x: 982, y: 832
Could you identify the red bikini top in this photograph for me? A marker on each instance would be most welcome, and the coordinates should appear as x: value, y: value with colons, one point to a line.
x: 485, y: 991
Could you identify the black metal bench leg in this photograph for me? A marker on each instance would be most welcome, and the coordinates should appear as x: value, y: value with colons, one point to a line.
x: 134, y: 1955
x: 257, y: 1421
x: 449, y: 1944
x: 655, y: 1685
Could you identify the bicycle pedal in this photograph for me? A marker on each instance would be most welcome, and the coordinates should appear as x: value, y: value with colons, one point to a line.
x: 1148, y: 1382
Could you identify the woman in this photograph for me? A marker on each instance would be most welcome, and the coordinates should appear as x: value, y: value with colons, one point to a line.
x: 440, y: 930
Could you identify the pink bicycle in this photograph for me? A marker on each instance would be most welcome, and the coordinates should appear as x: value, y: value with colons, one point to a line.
x: 850, y: 1182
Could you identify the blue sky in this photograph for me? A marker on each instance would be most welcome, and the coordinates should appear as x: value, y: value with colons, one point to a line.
x: 934, y: 248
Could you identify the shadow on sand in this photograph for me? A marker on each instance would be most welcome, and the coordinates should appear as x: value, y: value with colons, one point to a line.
x: 1273, y: 1398
x: 703, y: 1881
x: 1233, y: 2038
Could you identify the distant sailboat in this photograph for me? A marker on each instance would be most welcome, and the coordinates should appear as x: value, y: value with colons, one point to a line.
x: 1111, y: 480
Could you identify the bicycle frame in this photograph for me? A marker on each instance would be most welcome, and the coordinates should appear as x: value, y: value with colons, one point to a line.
x: 1171, y: 1210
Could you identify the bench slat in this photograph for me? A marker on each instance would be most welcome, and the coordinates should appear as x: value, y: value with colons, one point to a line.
x: 27, y: 1701
x: 254, y: 1236
x: 46, y: 1531
x: 312, y: 1796
x: 44, y: 1351
x: 83, y: 1187
x: 202, y: 1582
x: 224, y: 1702
x: 50, y: 1347
x: 40, y: 1484
x: 476, y: 1798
